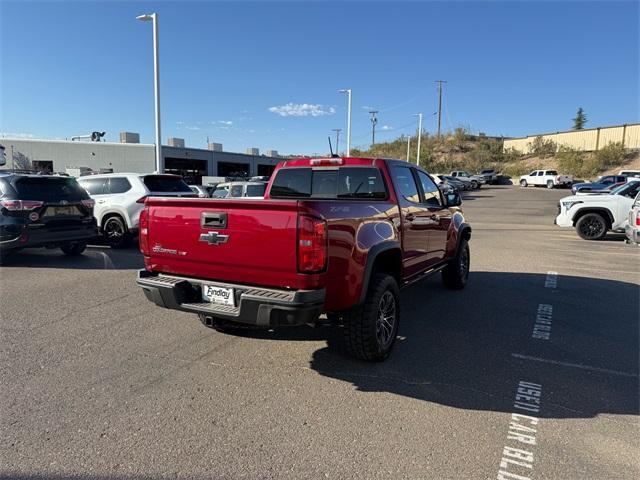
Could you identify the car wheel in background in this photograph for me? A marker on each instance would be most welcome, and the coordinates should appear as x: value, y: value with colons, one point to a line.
x: 474, y: 185
x: 114, y: 232
x: 370, y: 329
x: 550, y: 184
x: 523, y: 183
x: 75, y: 248
x: 456, y: 274
x: 592, y: 226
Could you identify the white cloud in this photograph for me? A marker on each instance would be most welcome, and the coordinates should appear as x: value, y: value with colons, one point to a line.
x: 386, y: 127
x: 17, y: 135
x: 225, y: 122
x: 192, y: 127
x: 302, y: 110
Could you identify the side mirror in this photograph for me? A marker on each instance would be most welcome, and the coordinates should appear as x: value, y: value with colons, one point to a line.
x: 453, y: 200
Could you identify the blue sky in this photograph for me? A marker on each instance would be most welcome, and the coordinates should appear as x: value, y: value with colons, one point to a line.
x: 266, y: 74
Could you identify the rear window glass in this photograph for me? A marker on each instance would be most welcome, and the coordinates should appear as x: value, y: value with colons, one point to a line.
x: 256, y: 190
x: 345, y: 182
x: 552, y: 172
x: 119, y: 185
x: 49, y: 189
x: 163, y: 183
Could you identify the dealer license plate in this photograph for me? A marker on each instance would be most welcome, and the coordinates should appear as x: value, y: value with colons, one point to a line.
x: 221, y: 295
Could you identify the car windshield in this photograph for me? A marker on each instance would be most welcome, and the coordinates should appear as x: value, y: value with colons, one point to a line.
x: 487, y: 171
x: 49, y: 189
x: 165, y: 183
x: 626, y: 188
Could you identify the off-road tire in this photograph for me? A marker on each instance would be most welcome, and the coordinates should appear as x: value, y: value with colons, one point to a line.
x: 114, y: 232
x: 592, y: 226
x: 365, y: 337
x: 456, y: 274
x: 523, y: 183
x: 74, y: 249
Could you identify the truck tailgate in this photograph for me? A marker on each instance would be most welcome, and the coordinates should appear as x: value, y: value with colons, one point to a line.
x: 187, y: 238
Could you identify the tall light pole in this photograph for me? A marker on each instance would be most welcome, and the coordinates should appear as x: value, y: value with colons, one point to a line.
x: 419, y: 115
x: 337, y: 130
x: 408, y: 146
x: 348, y: 92
x: 440, y: 82
x: 156, y: 86
x: 374, y: 121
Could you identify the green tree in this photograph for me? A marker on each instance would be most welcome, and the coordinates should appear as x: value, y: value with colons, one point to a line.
x: 580, y: 119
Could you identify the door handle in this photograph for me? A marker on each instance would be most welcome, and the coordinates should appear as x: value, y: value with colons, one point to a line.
x: 410, y: 217
x: 435, y: 217
x: 101, y: 201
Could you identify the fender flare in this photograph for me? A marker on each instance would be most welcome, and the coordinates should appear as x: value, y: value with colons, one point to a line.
x: 585, y: 210
x: 464, y: 232
x: 373, y: 253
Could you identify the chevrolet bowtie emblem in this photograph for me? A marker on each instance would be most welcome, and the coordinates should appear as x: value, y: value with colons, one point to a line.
x: 214, y: 238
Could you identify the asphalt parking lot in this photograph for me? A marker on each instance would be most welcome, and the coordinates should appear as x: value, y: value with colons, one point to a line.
x: 530, y: 372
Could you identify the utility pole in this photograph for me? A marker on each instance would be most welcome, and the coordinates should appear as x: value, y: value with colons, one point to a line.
x: 374, y: 121
x: 408, y: 146
x: 419, y: 115
x: 440, y: 82
x: 337, y: 130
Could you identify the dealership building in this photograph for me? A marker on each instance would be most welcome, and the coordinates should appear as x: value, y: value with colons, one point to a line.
x: 82, y: 157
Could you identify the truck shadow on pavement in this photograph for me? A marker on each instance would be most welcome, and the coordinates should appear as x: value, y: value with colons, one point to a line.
x: 456, y: 348
x: 91, y: 259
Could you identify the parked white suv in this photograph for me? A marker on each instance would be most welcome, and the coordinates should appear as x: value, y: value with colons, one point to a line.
x: 546, y: 178
x: 594, y: 215
x: 120, y: 198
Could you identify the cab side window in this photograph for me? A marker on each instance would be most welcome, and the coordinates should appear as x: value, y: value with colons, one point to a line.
x: 236, y: 191
x: 431, y: 192
x: 405, y: 184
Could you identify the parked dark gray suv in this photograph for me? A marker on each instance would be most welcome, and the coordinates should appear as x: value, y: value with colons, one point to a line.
x: 44, y: 211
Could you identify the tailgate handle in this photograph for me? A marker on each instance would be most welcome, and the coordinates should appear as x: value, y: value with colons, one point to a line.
x: 213, y: 219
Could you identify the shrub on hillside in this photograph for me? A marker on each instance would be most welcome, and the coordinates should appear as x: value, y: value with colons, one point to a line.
x: 609, y: 156
x: 570, y: 160
x: 516, y: 169
x: 542, y: 148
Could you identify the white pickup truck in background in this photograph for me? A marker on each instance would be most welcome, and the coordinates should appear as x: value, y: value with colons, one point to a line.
x: 546, y: 178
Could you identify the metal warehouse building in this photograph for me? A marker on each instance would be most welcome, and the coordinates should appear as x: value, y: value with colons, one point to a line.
x: 130, y: 156
x: 589, y: 139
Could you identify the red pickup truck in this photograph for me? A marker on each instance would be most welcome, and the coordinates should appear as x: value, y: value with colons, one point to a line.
x: 338, y: 236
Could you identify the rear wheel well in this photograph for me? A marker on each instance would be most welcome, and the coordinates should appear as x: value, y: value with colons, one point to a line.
x: 109, y: 215
x: 389, y: 262
x: 606, y: 214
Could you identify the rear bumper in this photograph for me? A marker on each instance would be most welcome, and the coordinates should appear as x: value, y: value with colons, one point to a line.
x: 25, y: 237
x: 633, y: 233
x: 263, y: 307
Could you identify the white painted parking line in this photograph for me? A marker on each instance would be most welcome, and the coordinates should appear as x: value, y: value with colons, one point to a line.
x: 575, y: 365
x: 542, y: 327
x: 516, y: 461
x: 552, y: 280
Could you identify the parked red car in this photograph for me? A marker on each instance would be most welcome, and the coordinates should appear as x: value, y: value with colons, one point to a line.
x: 338, y: 236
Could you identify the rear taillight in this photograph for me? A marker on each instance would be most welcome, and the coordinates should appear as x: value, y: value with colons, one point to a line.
x: 18, y: 205
x: 326, y: 162
x: 638, y: 219
x: 89, y: 203
x: 143, y: 225
x: 312, y: 244
x: 141, y: 199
